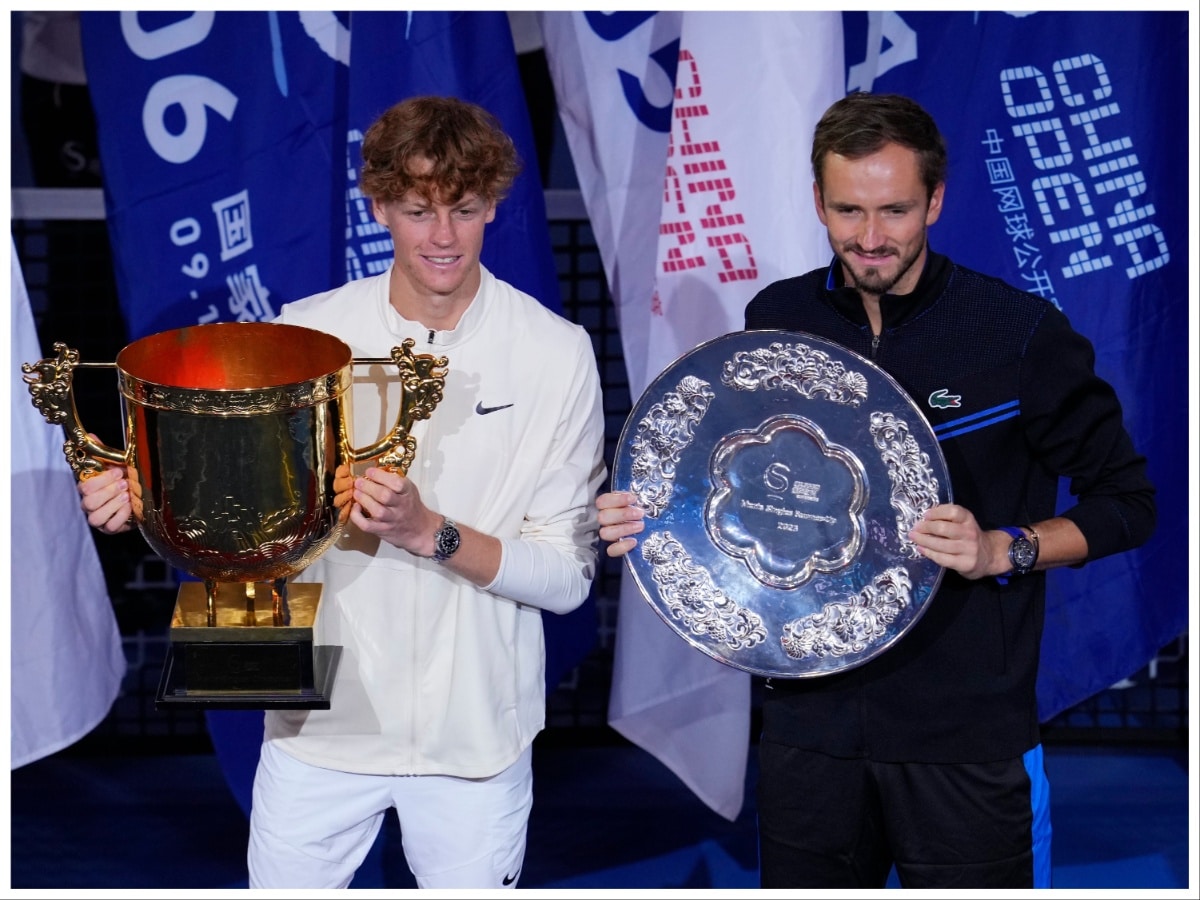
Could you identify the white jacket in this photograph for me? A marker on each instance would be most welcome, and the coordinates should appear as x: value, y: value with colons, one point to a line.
x: 438, y: 676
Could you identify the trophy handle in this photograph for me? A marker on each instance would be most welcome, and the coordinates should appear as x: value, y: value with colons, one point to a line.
x: 422, y: 377
x: 50, y: 386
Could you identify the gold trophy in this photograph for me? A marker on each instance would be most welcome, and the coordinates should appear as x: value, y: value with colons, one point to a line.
x: 233, y: 434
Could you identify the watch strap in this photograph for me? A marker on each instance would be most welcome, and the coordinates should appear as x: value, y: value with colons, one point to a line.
x: 1017, y: 534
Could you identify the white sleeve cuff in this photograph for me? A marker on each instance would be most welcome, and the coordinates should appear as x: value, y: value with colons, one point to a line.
x: 537, y: 574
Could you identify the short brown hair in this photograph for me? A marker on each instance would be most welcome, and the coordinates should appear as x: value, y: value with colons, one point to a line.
x: 861, y: 124
x: 470, y: 152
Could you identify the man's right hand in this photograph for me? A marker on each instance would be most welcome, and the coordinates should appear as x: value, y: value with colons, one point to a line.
x: 106, y: 500
x: 620, y: 519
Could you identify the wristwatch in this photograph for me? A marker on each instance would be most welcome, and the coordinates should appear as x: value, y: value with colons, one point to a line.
x: 1022, y: 552
x: 446, y: 540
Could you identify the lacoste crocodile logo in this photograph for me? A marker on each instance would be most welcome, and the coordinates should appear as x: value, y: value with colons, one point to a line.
x: 484, y: 410
x: 942, y: 399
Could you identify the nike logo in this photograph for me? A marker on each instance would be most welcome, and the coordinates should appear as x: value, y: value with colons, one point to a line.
x: 509, y: 879
x: 484, y: 410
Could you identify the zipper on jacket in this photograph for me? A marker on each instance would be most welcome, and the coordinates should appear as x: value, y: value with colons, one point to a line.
x: 431, y: 334
x: 874, y: 345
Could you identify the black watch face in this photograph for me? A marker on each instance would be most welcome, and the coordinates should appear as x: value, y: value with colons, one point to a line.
x: 1022, y: 554
x: 447, y: 541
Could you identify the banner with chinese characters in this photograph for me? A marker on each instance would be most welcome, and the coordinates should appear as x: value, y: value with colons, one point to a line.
x: 698, y: 199
x: 1068, y: 142
x: 230, y: 140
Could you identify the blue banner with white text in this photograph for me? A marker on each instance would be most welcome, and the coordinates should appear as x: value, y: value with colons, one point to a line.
x: 230, y: 144
x: 230, y: 141
x: 1068, y: 142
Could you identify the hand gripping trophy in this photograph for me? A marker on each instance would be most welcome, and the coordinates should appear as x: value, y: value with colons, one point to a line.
x: 233, y: 435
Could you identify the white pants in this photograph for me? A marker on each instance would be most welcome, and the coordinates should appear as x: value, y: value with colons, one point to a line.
x: 312, y: 827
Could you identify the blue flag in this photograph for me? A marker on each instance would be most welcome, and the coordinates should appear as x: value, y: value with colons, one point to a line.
x: 231, y: 148
x: 222, y: 158
x: 467, y: 55
x: 1067, y: 134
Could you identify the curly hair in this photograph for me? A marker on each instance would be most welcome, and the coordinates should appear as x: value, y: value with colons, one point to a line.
x: 860, y: 124
x: 469, y: 151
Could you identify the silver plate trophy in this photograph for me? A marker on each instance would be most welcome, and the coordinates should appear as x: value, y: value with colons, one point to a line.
x: 781, y: 474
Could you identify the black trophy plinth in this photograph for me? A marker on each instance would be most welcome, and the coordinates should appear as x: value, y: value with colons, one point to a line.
x: 239, y: 654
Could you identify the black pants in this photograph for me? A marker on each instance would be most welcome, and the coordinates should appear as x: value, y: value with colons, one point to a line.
x: 843, y: 823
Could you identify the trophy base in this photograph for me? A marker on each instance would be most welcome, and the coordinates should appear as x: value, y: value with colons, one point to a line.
x: 234, y: 656
x: 260, y: 676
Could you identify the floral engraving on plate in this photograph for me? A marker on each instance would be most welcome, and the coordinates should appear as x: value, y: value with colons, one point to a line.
x: 662, y: 435
x: 691, y: 597
x: 796, y: 367
x: 851, y: 626
x: 914, y: 486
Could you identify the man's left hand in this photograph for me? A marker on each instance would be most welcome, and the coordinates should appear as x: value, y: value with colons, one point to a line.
x: 389, y: 505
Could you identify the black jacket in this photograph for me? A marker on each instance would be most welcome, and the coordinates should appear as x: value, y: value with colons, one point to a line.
x: 1011, y: 393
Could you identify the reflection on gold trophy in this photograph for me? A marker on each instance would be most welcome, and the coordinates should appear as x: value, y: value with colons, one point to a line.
x: 234, y: 433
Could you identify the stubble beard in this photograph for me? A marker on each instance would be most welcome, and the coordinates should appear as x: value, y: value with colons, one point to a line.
x: 869, y: 280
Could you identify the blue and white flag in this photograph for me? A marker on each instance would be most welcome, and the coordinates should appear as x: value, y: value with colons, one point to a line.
x: 67, y: 661
x: 1068, y: 143
x: 230, y: 145
x: 231, y: 142
x: 693, y: 172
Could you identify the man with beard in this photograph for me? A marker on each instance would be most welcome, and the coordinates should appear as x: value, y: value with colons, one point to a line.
x: 928, y: 757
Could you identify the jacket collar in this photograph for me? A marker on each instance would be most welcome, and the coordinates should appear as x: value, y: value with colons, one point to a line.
x: 896, y: 308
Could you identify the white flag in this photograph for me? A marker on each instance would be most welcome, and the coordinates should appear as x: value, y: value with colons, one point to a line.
x: 66, y: 656
x: 694, y: 210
